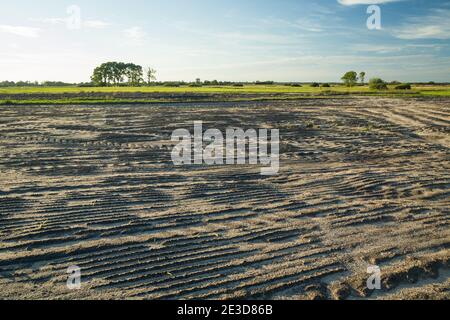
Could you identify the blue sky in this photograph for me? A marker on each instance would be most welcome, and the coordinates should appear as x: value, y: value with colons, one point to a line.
x: 241, y: 40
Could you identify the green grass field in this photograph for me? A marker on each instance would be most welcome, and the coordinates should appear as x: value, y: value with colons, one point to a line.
x: 19, y: 95
x: 184, y: 89
x: 219, y: 89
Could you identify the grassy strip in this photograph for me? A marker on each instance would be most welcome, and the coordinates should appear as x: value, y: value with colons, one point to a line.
x: 436, y: 93
x: 226, y: 97
x: 180, y: 90
x: 162, y: 101
x: 247, y: 89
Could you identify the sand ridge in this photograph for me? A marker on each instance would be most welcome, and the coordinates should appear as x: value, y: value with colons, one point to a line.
x: 362, y: 181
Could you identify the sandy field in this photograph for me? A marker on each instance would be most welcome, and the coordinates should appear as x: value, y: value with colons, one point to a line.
x: 363, y: 181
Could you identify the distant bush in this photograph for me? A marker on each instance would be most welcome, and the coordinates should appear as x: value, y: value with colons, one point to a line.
x: 195, y: 85
x: 395, y: 82
x: 5, y: 84
x: 264, y: 83
x: 315, y: 85
x: 85, y: 85
x: 296, y: 85
x: 56, y: 84
x: 171, y: 84
x: 238, y: 85
x: 405, y: 86
x: 377, y: 84
x: 210, y: 83
x: 325, y: 85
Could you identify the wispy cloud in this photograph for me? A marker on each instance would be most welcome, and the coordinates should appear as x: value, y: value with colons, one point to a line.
x: 95, y: 24
x: 89, y: 24
x: 305, y: 24
x: 52, y: 20
x: 135, y: 34
x: 317, y: 20
x: 21, y: 31
x: 367, y: 2
x: 435, y: 25
x: 377, y: 49
x: 237, y: 36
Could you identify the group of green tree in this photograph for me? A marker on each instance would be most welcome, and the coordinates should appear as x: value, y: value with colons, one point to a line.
x: 351, y: 78
x: 119, y: 73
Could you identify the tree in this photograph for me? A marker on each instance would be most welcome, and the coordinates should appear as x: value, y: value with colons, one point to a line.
x: 99, y: 77
x: 114, y: 73
x: 377, y: 84
x: 134, y: 73
x: 150, y: 74
x: 362, y: 76
x: 350, y: 78
x: 109, y: 73
x: 118, y: 71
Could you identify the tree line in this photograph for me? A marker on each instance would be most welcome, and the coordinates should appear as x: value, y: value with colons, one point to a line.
x: 119, y: 73
x: 351, y: 79
x: 6, y: 84
x: 130, y: 74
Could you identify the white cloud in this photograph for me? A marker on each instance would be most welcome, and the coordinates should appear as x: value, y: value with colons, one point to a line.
x: 372, y: 48
x: 53, y: 20
x: 90, y: 24
x: 435, y: 25
x: 95, y: 24
x: 368, y: 2
x: 27, y: 32
x: 135, y: 33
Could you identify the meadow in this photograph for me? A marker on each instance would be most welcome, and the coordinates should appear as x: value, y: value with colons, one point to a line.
x: 158, y: 94
x: 251, y: 88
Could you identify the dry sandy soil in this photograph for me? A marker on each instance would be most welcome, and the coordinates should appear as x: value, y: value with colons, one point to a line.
x: 363, y: 181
